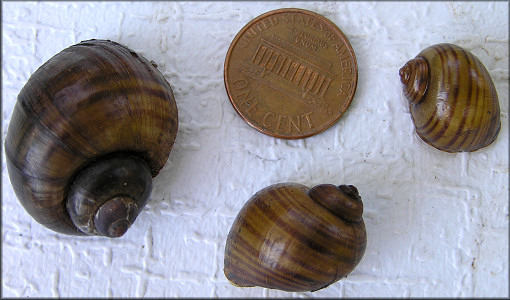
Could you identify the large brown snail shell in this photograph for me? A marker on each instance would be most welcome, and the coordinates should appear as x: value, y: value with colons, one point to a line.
x: 453, y: 101
x: 293, y: 238
x: 89, y: 130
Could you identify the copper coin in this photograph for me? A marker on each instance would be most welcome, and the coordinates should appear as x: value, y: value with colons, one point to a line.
x: 290, y: 73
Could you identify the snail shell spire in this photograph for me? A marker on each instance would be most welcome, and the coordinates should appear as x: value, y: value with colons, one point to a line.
x: 415, y: 77
x: 106, y: 197
x: 343, y: 201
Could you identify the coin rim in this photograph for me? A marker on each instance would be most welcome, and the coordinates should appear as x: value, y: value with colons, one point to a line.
x: 273, y: 12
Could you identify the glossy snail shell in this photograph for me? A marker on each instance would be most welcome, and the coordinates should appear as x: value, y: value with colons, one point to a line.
x: 293, y: 238
x: 453, y: 101
x: 89, y: 130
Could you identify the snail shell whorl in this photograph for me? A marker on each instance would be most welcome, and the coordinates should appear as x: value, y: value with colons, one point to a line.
x: 458, y: 109
x: 415, y: 77
x: 119, y: 185
x: 89, y: 101
x: 343, y: 201
x: 283, y: 239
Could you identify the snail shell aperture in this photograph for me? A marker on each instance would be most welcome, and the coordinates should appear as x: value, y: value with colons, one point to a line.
x: 293, y: 238
x: 89, y: 130
x: 453, y: 101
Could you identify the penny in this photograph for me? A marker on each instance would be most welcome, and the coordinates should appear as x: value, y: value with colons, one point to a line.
x: 290, y: 73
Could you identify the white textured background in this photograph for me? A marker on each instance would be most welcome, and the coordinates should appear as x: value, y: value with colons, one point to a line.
x: 437, y: 223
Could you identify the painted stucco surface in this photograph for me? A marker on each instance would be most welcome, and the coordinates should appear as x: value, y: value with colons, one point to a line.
x: 437, y: 223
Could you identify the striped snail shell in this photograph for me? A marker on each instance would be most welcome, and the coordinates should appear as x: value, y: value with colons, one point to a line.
x: 293, y: 238
x: 453, y: 101
x: 89, y: 130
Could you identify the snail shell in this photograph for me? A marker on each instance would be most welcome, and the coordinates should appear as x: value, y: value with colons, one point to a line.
x: 293, y: 238
x: 453, y: 101
x: 89, y: 130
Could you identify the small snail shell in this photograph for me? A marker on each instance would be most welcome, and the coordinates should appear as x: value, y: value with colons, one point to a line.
x: 293, y: 238
x: 89, y: 130
x: 453, y: 101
